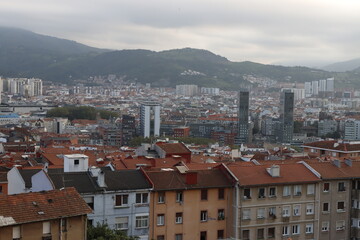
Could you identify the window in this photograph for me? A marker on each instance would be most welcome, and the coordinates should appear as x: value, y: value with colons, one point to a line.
x: 160, y: 237
x: 340, y: 225
x: 246, y: 234
x: 272, y: 192
x: 260, y: 233
x: 203, y: 235
x: 297, y: 190
x: 46, y: 228
x: 203, y: 216
x: 286, y: 230
x: 220, y: 234
x: 1, y: 189
x: 246, y: 214
x: 309, y: 228
x: 121, y: 200
x: 178, y: 236
x: 296, y: 210
x: 272, y: 212
x: 160, y: 220
x: 76, y: 162
x: 341, y: 186
x: 309, y: 209
x: 286, y: 211
x: 16, y: 232
x: 310, y: 189
x: 161, y: 197
x: 261, y: 192
x: 271, y: 232
x: 261, y: 213
x: 325, y: 226
x: 90, y: 202
x: 296, y: 229
x: 341, y: 206
x: 221, y: 214
x: 326, y: 187
x: 286, y: 191
x: 142, y: 198
x: 221, y: 194
x: 179, y: 197
x: 63, y: 224
x: 121, y: 223
x: 142, y: 221
x: 204, y: 194
x: 178, y: 218
x: 247, y: 193
x: 326, y: 207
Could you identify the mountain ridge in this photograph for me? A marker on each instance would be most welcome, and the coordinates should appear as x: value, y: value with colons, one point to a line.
x: 62, y: 60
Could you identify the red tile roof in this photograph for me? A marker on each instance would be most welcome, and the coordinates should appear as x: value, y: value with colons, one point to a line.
x: 335, y: 145
x: 174, y: 180
x: 43, y: 206
x: 173, y: 148
x: 329, y: 171
x: 291, y: 173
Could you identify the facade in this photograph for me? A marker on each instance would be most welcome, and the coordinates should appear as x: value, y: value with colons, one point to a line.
x: 327, y: 126
x: 128, y: 129
x: 275, y: 202
x: 190, y: 204
x: 243, y: 116
x: 150, y: 119
x: 187, y: 90
x: 336, y: 199
x: 43, y: 215
x: 352, y: 129
x: 180, y: 132
x: 286, y: 116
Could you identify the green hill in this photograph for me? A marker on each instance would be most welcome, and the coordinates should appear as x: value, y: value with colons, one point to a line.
x: 27, y: 54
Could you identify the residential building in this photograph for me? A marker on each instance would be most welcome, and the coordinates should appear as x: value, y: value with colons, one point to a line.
x: 57, y: 214
x: 128, y: 129
x: 352, y: 129
x: 334, y: 149
x: 180, y: 132
x: 327, y: 126
x: 190, y: 204
x: 337, y: 202
x: 187, y: 90
x: 275, y: 202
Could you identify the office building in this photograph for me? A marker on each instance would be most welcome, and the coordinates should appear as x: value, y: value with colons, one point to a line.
x: 286, y: 116
x: 243, y: 117
x: 150, y: 119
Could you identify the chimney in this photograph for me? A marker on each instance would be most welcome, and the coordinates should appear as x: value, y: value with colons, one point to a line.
x: 46, y: 167
x: 101, y: 179
x: 191, y: 178
x: 274, y: 170
x: 337, y: 163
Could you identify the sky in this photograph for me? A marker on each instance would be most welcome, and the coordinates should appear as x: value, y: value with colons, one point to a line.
x: 287, y: 32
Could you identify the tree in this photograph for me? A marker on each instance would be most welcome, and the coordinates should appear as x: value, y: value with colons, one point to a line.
x: 103, y: 232
x: 81, y: 112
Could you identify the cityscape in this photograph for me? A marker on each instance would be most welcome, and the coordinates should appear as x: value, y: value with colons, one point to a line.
x: 169, y: 120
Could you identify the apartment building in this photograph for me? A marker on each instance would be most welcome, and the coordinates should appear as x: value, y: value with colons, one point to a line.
x: 338, y: 199
x: 334, y: 149
x: 275, y: 202
x: 190, y: 204
x: 57, y: 214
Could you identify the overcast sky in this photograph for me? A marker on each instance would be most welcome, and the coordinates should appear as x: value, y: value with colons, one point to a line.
x: 301, y: 32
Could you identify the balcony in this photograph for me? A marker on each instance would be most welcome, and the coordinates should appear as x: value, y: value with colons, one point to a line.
x: 285, y: 219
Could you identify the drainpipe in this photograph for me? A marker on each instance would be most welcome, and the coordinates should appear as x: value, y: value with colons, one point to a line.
x: 237, y: 211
